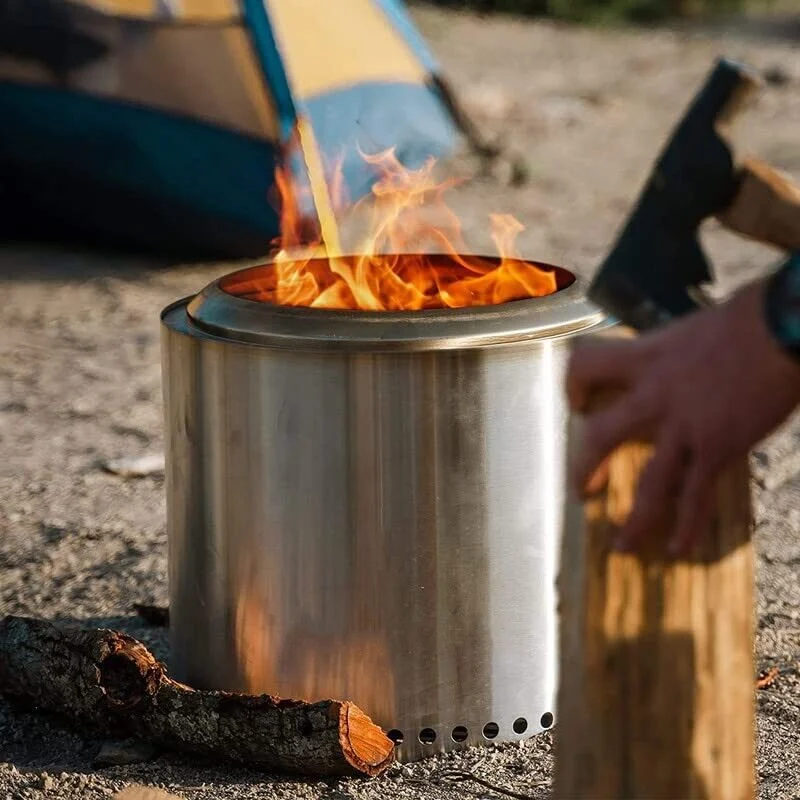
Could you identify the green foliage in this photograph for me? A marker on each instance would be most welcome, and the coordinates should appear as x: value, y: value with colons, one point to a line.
x: 610, y: 10
x: 638, y: 10
x: 601, y: 10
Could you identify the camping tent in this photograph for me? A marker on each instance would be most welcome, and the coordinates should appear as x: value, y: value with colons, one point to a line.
x: 157, y: 124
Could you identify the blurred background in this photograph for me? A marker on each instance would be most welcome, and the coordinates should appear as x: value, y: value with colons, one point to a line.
x: 623, y: 10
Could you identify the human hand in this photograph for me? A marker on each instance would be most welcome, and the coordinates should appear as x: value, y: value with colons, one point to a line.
x: 703, y: 390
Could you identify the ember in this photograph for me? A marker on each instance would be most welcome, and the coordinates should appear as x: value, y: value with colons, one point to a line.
x: 384, y: 275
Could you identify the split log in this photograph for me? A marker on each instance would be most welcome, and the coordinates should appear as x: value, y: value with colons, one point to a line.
x: 112, y: 682
x: 656, y: 695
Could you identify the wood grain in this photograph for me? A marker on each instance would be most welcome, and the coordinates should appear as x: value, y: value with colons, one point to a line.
x: 766, y: 207
x: 656, y: 694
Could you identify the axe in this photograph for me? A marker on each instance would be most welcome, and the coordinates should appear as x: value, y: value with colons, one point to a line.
x: 655, y: 271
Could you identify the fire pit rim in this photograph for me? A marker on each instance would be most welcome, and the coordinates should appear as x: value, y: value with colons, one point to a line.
x: 226, y: 317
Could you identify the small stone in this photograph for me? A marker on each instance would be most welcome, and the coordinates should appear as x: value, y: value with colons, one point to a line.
x: 46, y: 783
x: 136, y: 467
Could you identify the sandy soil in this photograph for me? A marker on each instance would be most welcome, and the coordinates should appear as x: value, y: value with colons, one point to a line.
x: 80, y: 383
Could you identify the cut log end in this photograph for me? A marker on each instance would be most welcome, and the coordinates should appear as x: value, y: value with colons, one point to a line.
x: 365, y: 746
x: 129, y: 673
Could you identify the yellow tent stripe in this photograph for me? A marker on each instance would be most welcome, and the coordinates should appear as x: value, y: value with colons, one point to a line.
x: 338, y: 43
x: 210, y: 9
x: 184, y: 10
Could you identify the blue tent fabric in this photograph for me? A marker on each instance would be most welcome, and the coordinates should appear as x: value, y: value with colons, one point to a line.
x: 118, y: 174
x: 408, y: 119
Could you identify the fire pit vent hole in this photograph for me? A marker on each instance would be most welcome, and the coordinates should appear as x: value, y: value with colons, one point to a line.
x: 490, y: 730
x: 396, y: 736
x: 547, y: 720
x: 427, y: 736
x: 460, y: 734
x: 520, y: 725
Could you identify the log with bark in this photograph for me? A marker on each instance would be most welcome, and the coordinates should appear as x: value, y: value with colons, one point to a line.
x: 111, y: 682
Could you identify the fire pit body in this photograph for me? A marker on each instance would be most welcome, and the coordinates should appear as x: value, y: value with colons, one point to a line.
x: 367, y: 506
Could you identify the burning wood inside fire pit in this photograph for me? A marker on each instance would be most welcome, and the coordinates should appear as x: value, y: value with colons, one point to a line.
x: 408, y: 213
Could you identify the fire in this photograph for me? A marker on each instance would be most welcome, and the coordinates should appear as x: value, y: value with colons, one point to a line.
x: 408, y: 214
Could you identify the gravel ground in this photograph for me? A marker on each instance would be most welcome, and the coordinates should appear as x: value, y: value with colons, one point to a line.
x: 80, y: 383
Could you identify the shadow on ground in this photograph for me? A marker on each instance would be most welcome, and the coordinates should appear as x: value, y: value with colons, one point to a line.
x: 40, y: 262
x: 778, y: 27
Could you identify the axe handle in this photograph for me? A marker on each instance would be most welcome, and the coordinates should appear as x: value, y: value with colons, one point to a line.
x: 766, y: 207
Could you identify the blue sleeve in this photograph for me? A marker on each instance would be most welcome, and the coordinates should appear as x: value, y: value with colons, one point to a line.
x: 783, y: 305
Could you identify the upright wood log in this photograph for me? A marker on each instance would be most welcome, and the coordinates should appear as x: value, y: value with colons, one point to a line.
x: 656, y: 695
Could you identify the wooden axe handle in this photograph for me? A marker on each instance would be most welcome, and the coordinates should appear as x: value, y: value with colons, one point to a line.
x: 766, y: 207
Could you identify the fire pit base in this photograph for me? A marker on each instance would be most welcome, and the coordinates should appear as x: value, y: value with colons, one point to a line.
x: 368, y: 506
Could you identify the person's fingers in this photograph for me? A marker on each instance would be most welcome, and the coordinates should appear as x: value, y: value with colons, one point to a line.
x: 695, y: 506
x: 597, y: 366
x: 633, y: 415
x: 655, y: 490
x: 597, y: 481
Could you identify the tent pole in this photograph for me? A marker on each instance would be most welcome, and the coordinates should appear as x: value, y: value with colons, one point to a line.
x: 312, y: 158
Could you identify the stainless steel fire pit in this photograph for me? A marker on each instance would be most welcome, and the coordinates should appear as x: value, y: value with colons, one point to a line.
x: 367, y: 506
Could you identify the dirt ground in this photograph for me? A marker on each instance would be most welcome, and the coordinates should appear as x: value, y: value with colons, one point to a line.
x: 80, y: 384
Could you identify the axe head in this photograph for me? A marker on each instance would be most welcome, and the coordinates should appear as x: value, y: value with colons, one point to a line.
x: 650, y: 275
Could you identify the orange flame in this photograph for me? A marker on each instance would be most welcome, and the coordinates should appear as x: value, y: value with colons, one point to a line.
x: 389, y: 273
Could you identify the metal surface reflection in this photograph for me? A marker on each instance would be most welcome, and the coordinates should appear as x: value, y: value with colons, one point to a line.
x: 375, y: 526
